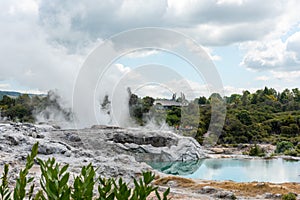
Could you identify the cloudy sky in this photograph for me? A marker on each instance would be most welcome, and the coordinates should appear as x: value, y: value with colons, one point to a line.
x: 252, y: 43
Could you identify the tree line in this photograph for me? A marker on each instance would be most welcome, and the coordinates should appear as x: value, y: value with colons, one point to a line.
x: 265, y: 116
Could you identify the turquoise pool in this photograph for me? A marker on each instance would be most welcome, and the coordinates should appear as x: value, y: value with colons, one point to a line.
x: 239, y: 170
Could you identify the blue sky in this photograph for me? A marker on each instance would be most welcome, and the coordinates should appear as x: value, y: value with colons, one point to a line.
x: 252, y: 43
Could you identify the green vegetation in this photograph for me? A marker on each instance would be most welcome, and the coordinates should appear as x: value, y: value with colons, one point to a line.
x: 4, y: 189
x: 256, y: 151
x: 283, y: 146
x: 289, y: 196
x: 23, y: 180
x: 55, y: 184
x: 265, y: 116
x: 287, y: 148
x: 9, y: 93
x: 25, y: 107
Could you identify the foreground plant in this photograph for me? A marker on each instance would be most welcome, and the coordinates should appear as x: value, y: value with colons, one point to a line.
x: 54, y: 180
x: 55, y: 184
x: 4, y: 189
x: 110, y: 189
x: 23, y: 180
x: 84, y: 184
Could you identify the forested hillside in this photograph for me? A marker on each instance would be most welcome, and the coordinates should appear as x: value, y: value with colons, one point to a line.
x: 265, y: 116
x: 9, y: 93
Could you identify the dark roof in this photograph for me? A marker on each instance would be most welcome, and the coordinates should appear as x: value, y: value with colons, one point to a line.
x: 165, y: 102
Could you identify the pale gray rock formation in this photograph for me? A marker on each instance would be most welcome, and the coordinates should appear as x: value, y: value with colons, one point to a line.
x: 114, y: 151
x: 160, y: 146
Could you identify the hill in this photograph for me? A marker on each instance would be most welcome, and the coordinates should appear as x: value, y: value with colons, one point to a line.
x: 9, y: 93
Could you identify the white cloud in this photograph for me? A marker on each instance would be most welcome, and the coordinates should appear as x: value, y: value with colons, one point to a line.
x: 229, y: 90
x: 155, y: 91
x: 262, y: 78
x: 189, y: 88
x: 4, y: 86
x: 289, y: 76
x: 211, y: 54
x: 211, y: 22
x: 142, y: 53
x: 26, y: 6
x: 293, y: 47
x: 257, y: 25
x: 278, y: 49
x: 26, y: 56
x: 273, y: 54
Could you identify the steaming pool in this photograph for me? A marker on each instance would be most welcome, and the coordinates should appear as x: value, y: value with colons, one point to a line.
x: 239, y: 170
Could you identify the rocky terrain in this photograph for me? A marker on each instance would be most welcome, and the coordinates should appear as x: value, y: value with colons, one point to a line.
x: 115, y: 151
x: 118, y: 152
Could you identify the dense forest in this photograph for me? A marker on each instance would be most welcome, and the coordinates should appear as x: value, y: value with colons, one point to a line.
x: 265, y: 116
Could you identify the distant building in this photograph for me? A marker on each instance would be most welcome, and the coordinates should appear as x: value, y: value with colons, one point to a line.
x: 168, y: 103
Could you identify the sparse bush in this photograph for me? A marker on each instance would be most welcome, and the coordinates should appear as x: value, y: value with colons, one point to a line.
x: 55, y: 184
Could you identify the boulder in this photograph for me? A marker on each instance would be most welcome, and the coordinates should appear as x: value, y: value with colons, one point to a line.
x: 272, y: 196
x: 225, y: 195
x: 217, y: 150
x: 155, y: 141
x: 72, y: 137
x: 15, y: 138
x: 208, y: 190
x: 47, y: 148
x: 160, y: 146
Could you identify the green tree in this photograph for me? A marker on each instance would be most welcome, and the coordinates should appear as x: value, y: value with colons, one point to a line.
x: 286, y: 96
x: 296, y: 94
x: 24, y: 99
x: 147, y: 103
x: 105, y: 103
x: 234, y: 98
x: 244, y: 117
x: 245, y: 98
x: 202, y: 100
x: 286, y: 131
x: 6, y: 100
x: 283, y: 146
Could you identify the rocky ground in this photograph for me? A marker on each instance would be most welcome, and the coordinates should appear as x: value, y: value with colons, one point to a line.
x: 118, y: 152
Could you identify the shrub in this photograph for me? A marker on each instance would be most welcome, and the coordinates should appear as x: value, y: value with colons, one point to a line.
x: 291, y: 152
x: 289, y: 196
x: 55, y: 184
x: 256, y: 151
x: 283, y: 146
